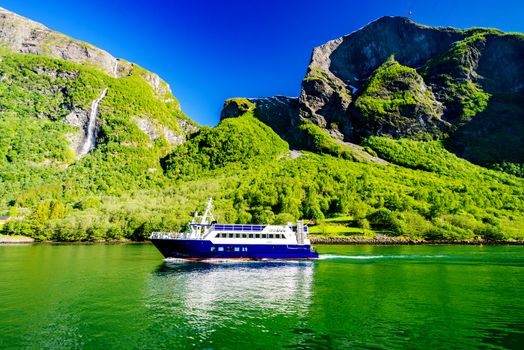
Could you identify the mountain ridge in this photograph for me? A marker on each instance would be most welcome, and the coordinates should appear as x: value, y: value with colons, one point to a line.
x: 446, y: 83
x: 23, y: 35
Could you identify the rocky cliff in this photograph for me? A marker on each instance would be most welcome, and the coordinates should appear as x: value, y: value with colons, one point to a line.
x: 50, y: 76
x: 401, y: 79
x: 22, y: 35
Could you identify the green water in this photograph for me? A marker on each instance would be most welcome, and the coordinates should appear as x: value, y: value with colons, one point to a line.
x: 125, y: 297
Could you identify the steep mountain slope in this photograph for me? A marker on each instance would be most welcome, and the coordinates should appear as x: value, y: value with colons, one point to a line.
x: 22, y: 35
x: 103, y: 129
x: 242, y: 140
x: 88, y: 152
x: 401, y: 79
x: 396, y: 101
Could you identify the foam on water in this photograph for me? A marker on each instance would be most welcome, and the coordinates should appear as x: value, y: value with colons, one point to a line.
x: 321, y: 257
x: 176, y: 261
x: 370, y: 257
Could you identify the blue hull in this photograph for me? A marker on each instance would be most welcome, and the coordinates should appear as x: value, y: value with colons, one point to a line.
x: 204, y: 249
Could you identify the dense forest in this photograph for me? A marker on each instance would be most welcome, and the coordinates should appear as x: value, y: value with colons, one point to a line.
x: 424, y: 192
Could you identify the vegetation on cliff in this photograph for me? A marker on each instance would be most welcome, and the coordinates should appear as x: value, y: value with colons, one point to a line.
x: 448, y: 198
x: 423, y: 83
x: 35, y: 143
x: 144, y: 176
x: 243, y: 140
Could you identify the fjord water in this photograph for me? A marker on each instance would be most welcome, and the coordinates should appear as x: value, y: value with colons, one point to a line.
x: 380, y: 297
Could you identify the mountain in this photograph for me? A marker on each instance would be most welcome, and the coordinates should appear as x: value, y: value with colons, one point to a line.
x: 97, y: 148
x: 64, y: 99
x: 399, y: 79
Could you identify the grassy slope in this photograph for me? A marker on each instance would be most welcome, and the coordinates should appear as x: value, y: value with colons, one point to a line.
x: 121, y: 191
x: 244, y: 140
x: 37, y: 94
x: 401, y: 201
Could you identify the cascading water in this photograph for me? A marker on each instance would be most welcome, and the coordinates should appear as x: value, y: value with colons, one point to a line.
x: 115, y: 69
x: 89, y: 143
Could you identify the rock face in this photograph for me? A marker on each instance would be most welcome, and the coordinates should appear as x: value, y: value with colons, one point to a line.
x: 61, y: 92
x: 154, y: 131
x: 281, y: 113
x: 80, y: 119
x: 23, y: 35
x: 235, y: 107
x: 354, y: 57
x: 396, y: 101
x: 398, y: 78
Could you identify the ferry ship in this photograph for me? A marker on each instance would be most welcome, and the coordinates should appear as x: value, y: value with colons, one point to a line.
x: 208, y: 240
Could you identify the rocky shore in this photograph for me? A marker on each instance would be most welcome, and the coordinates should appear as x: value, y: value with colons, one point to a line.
x: 385, y: 240
x: 16, y: 239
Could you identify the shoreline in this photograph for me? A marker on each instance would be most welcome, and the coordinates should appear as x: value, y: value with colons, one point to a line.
x: 16, y: 240
x: 403, y: 241
x: 29, y: 240
x: 384, y: 240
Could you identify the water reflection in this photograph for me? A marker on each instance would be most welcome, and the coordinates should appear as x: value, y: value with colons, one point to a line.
x: 206, y: 302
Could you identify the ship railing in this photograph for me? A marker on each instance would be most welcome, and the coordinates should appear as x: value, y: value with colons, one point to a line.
x: 168, y: 235
x: 238, y: 227
x: 174, y: 235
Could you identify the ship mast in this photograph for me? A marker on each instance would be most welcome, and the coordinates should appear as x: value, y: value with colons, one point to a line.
x: 208, y: 213
x: 197, y: 230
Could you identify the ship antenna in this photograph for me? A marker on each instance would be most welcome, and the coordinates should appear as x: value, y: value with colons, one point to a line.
x: 208, y: 212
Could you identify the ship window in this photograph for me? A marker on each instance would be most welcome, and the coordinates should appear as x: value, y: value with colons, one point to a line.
x: 257, y: 235
x: 250, y: 235
x: 231, y: 235
x: 229, y: 249
x: 220, y: 249
x: 264, y: 235
x: 237, y: 235
x: 270, y: 235
x: 237, y: 249
x: 244, y: 249
x: 244, y: 235
x: 212, y: 249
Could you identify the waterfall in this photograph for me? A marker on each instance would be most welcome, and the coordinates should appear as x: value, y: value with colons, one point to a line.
x: 115, y: 69
x: 89, y: 143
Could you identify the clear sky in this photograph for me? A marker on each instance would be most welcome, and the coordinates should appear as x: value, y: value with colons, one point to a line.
x: 210, y: 50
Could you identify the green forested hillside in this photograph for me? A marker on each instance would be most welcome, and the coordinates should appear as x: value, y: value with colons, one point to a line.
x: 152, y: 167
x: 426, y: 192
x: 244, y: 140
x: 37, y: 95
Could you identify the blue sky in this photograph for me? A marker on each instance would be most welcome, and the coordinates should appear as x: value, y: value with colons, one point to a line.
x: 212, y: 50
